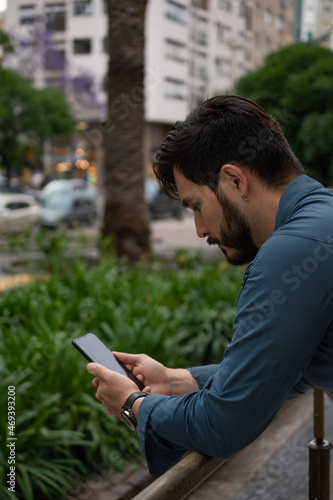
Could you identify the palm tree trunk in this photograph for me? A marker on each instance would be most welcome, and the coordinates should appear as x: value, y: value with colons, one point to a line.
x: 126, y: 216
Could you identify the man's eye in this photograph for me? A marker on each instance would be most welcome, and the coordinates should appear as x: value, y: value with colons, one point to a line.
x: 196, y: 208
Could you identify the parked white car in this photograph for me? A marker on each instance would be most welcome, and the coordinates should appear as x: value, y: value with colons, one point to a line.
x: 18, y: 212
x: 68, y: 202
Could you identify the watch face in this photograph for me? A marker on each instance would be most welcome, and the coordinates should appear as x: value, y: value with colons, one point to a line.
x: 127, y: 419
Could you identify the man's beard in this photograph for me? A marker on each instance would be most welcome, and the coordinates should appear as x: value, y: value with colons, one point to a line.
x: 236, y: 236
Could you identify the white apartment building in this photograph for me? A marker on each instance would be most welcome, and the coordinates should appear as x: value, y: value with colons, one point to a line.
x: 315, y: 21
x: 62, y: 43
x: 194, y: 49
x: 325, y: 23
x: 2, y: 26
x: 308, y: 11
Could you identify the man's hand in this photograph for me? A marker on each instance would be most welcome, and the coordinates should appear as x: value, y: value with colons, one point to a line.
x: 112, y: 388
x: 157, y: 378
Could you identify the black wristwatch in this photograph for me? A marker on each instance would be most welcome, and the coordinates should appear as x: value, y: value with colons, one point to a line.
x: 126, y: 411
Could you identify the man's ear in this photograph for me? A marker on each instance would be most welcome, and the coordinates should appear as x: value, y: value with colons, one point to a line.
x: 233, y: 179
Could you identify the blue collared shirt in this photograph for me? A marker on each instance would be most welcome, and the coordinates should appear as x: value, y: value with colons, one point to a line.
x: 282, y: 341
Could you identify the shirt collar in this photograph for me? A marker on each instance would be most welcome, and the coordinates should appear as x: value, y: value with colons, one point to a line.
x: 294, y: 192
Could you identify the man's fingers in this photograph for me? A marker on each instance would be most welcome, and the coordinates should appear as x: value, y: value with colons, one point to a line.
x: 98, y: 370
x: 95, y: 382
x: 103, y: 374
x: 127, y: 359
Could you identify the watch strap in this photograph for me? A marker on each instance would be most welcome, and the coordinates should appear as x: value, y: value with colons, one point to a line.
x: 133, y: 397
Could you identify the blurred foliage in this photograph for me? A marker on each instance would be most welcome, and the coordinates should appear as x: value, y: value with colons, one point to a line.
x: 27, y: 117
x: 295, y: 86
x: 181, y: 317
x: 6, y: 43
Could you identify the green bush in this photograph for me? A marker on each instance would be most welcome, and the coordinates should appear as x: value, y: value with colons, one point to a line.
x: 63, y: 434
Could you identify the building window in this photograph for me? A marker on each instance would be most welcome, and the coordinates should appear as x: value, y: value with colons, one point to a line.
x: 105, y: 82
x: 56, y: 16
x: 242, y: 8
x: 223, y: 67
x: 268, y: 17
x: 174, y: 89
x: 175, y: 50
x: 198, y: 96
x: 247, y: 54
x: 199, y: 32
x: 248, y: 18
x: 201, y: 38
x: 82, y: 46
x: 291, y: 29
x: 221, y: 31
x: 27, y: 14
x: 175, y: 11
x: 279, y: 23
x: 225, y: 5
x: 268, y: 45
x: 219, y: 66
x: 105, y: 45
x: 202, y: 4
x: 198, y: 66
x: 82, y: 8
x: 202, y: 73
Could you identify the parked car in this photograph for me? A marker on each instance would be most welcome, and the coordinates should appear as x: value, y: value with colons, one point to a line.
x: 68, y: 202
x: 160, y: 205
x: 18, y: 212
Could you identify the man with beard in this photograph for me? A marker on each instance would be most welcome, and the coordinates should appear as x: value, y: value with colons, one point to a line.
x: 231, y: 164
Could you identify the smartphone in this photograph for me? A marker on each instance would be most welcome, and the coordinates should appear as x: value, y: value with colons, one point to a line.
x: 94, y: 350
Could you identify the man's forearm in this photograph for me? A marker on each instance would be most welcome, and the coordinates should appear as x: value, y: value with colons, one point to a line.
x: 181, y: 381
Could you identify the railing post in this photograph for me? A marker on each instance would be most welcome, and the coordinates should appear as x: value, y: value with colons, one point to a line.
x: 319, y: 453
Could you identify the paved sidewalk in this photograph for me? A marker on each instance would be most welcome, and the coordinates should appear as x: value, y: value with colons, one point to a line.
x: 169, y: 235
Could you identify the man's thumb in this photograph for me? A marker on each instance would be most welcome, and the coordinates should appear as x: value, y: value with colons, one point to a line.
x: 96, y: 369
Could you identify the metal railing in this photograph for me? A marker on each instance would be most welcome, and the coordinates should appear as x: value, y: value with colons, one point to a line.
x: 185, y: 476
x: 319, y: 450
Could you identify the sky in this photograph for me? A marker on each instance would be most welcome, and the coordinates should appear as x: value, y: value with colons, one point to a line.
x: 3, y: 5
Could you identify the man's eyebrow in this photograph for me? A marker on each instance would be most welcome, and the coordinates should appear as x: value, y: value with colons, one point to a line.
x: 189, y: 202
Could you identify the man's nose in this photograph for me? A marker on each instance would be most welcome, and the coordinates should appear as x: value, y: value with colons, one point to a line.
x: 201, y: 229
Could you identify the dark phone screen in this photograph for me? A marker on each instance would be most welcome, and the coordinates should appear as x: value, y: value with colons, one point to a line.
x: 94, y: 350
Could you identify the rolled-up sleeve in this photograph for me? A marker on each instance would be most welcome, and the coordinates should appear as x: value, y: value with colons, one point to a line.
x: 203, y: 373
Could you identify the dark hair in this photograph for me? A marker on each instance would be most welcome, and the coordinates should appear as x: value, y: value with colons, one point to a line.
x: 225, y: 129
